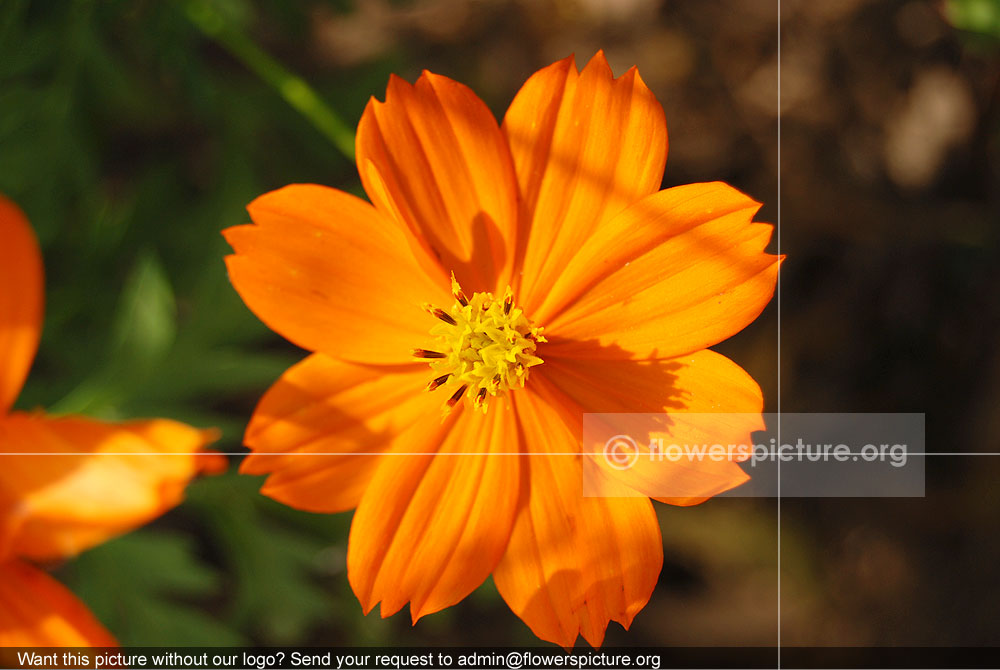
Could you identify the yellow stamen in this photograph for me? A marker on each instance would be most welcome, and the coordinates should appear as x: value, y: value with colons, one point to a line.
x: 436, y: 382
x: 454, y: 400
x: 456, y: 290
x: 485, y: 345
x: 424, y: 353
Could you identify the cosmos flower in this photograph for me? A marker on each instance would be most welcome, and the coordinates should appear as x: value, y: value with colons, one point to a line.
x: 79, y: 486
x: 503, y: 281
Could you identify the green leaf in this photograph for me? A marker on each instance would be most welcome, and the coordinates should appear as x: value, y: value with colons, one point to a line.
x: 142, y: 334
x: 146, y: 322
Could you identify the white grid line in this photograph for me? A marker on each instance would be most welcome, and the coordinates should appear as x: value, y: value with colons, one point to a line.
x: 778, y: 298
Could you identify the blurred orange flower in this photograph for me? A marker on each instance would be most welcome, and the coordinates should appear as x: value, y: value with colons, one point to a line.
x: 79, y: 486
x: 477, y: 236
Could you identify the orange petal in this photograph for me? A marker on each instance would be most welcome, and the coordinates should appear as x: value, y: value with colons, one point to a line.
x: 432, y: 156
x: 91, y: 480
x: 432, y: 526
x: 706, y: 399
x: 21, y: 298
x: 585, y: 146
x: 38, y: 611
x: 325, y: 270
x: 677, y: 272
x: 325, y: 406
x: 573, y: 563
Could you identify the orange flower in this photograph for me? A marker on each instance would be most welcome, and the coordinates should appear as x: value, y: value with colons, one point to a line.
x: 478, y: 236
x: 80, y: 485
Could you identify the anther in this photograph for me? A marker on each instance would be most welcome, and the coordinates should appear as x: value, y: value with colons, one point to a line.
x: 485, y: 345
x: 439, y: 313
x: 457, y: 395
x: 456, y: 291
x: 480, y: 400
x: 435, y: 383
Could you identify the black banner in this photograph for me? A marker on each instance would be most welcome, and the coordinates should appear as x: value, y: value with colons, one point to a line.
x: 490, y: 658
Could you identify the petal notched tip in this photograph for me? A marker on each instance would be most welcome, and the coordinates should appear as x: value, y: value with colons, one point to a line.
x: 395, y: 90
x: 564, y: 63
x: 598, y: 64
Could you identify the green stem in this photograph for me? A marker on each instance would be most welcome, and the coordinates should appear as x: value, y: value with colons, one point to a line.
x: 291, y: 87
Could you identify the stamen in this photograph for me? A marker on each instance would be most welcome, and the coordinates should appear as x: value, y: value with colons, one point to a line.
x: 439, y: 313
x: 480, y: 401
x: 439, y: 381
x: 456, y: 396
x: 484, y: 343
x: 456, y: 291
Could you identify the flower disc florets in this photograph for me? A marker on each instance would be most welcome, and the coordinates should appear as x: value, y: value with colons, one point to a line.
x: 486, y: 347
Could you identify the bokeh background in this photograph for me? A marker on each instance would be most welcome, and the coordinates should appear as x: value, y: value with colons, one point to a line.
x: 133, y: 132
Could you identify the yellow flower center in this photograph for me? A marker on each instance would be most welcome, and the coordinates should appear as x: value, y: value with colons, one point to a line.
x: 486, y: 347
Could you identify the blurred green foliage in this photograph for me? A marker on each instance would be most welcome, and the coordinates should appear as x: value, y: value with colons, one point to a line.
x: 260, y: 580
x: 131, y: 140
x: 977, y: 16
